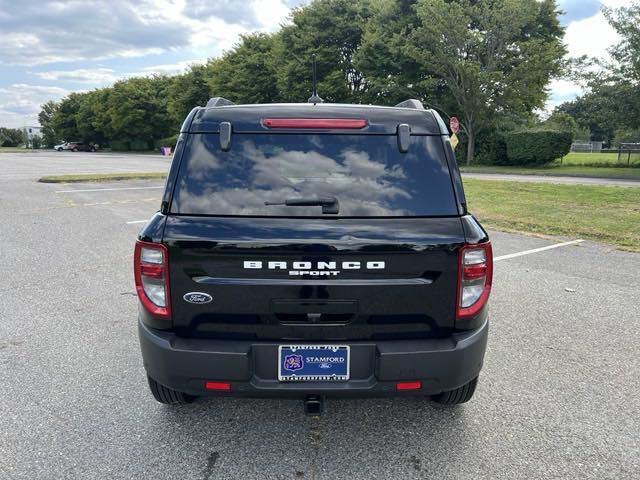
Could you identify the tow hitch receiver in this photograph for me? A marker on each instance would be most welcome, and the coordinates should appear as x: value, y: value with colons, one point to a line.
x: 313, y: 405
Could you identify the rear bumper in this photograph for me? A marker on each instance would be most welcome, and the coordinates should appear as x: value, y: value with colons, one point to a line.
x: 252, y: 367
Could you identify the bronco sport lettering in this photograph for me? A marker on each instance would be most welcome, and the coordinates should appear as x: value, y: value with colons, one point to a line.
x: 317, y: 269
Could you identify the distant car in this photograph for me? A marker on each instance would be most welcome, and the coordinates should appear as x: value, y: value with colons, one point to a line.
x: 81, y: 147
x: 61, y: 147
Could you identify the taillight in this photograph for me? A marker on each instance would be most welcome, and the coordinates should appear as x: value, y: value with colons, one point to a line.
x: 316, y: 123
x: 151, y: 270
x: 475, y: 273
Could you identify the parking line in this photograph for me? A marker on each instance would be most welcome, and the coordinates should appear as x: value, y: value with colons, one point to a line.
x: 137, y: 221
x: 536, y: 250
x: 107, y: 189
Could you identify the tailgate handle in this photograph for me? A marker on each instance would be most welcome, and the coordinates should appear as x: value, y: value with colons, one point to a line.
x: 311, y: 307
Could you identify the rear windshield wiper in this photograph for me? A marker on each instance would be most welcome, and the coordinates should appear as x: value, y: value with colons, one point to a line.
x: 328, y: 204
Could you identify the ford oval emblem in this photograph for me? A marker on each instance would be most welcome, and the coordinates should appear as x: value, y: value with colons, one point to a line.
x: 197, y: 297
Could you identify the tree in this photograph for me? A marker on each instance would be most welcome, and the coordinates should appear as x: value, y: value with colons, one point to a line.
x: 626, y: 22
x: 63, y: 120
x: 333, y: 30
x: 608, y: 106
x: 36, y: 142
x: 137, y: 112
x: 246, y: 73
x: 187, y: 91
x: 537, y: 146
x: 626, y: 136
x: 92, y: 121
x: 626, y: 71
x: 45, y: 117
x: 392, y: 75
x: 476, y: 58
x: 611, y: 105
x: 11, y: 137
x: 562, y: 122
x: 486, y: 61
x: 492, y: 56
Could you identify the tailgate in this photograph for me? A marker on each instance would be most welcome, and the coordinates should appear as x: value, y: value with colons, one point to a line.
x: 313, y: 279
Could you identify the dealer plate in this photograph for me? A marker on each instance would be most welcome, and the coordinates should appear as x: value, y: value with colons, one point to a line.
x: 312, y: 363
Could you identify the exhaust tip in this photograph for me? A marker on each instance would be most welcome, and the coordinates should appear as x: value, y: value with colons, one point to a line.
x: 313, y: 405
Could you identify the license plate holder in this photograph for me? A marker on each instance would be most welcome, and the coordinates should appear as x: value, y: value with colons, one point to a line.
x: 313, y: 363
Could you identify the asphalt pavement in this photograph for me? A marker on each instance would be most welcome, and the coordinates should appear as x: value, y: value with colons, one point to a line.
x: 36, y: 164
x: 557, y: 398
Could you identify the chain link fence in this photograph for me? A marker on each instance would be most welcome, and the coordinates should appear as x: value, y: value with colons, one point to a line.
x: 629, y: 154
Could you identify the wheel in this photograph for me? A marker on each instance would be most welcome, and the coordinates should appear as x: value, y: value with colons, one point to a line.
x: 457, y: 396
x: 167, y: 395
x: 93, y: 149
x: 59, y: 149
x: 74, y: 149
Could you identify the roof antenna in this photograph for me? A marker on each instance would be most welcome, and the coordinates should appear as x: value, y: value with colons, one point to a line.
x: 314, y: 98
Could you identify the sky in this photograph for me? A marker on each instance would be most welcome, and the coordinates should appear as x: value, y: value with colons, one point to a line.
x: 49, y: 48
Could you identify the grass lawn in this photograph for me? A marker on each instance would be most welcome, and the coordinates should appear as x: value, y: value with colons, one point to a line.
x: 559, y: 171
x: 590, y: 159
x: 602, y: 214
x: 101, y: 177
x: 15, y: 150
x: 602, y: 165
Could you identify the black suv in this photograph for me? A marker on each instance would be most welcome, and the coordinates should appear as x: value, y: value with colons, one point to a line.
x: 311, y: 250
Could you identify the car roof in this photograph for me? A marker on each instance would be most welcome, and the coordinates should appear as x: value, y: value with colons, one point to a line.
x: 248, y: 118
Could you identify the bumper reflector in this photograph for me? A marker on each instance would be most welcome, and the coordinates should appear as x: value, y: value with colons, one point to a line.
x: 220, y: 386
x: 403, y: 386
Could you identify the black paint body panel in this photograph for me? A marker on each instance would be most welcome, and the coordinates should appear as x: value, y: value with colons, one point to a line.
x: 414, y: 296
x: 399, y: 320
x: 248, y: 118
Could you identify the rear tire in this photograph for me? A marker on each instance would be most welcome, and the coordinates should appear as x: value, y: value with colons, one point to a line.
x: 459, y: 395
x: 60, y: 149
x: 168, y: 396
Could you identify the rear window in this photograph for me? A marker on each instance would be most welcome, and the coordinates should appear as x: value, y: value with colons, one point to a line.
x: 366, y: 174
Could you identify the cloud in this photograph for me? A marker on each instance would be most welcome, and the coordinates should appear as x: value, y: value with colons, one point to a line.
x: 562, y: 91
x: 170, y: 68
x: 35, y: 32
x: 82, y: 75
x: 363, y: 185
x: 590, y: 36
x: 104, y: 76
x: 616, y: 3
x: 80, y: 34
x: 226, y: 10
x: 20, y: 103
x: 584, y: 35
x: 253, y: 14
x: 564, y: 88
x: 270, y: 13
x: 39, y: 32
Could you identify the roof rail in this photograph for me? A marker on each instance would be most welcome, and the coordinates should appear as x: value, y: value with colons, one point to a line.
x: 411, y: 103
x: 219, y: 102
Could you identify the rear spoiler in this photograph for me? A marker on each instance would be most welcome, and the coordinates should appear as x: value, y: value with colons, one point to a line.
x: 411, y: 103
